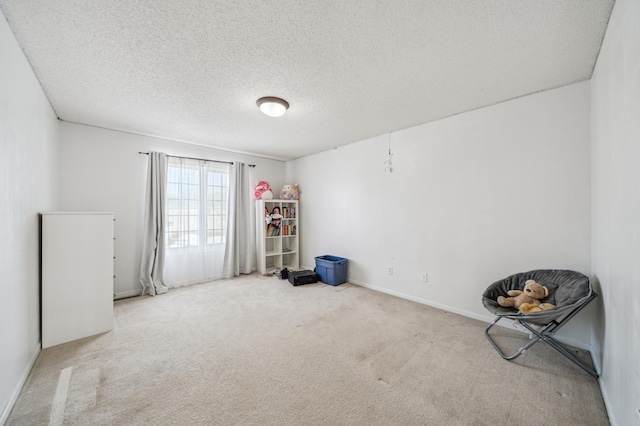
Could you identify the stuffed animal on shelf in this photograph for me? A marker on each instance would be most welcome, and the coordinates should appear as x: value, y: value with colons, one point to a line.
x: 262, y: 190
x: 289, y: 192
x: 532, y: 293
x: 528, y: 308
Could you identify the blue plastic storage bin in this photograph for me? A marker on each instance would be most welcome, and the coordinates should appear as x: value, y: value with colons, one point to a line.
x: 331, y: 269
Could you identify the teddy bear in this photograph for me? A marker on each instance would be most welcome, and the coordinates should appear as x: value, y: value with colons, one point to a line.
x: 528, y: 308
x: 262, y: 190
x: 289, y: 192
x: 532, y: 293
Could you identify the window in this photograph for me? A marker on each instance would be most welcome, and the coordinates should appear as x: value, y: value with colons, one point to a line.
x: 197, y: 199
x: 217, y: 199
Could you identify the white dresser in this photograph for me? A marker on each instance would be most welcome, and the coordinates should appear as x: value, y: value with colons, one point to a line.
x: 77, y: 275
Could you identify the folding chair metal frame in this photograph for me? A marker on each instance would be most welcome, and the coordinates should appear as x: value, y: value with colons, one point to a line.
x: 545, y: 334
x: 569, y: 292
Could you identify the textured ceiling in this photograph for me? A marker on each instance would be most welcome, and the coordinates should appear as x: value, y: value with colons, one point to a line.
x: 192, y: 70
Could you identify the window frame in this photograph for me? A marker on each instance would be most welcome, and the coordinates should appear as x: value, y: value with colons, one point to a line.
x: 202, y: 222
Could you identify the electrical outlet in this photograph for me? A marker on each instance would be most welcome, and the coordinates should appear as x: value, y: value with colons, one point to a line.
x: 389, y: 270
x: 424, y: 277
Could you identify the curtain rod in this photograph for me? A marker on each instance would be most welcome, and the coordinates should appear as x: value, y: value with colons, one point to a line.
x: 198, y: 159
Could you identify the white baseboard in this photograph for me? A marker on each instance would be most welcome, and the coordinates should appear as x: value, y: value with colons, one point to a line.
x: 485, y: 318
x: 607, y: 403
x: 16, y: 392
x: 125, y: 294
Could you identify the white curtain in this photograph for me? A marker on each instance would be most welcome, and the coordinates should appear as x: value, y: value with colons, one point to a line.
x: 240, y: 251
x: 152, y: 263
x: 196, y: 207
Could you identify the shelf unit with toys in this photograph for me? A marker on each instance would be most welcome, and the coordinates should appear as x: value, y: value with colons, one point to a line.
x: 277, y: 239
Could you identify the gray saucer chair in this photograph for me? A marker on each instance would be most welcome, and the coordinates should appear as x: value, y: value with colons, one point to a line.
x: 569, y: 291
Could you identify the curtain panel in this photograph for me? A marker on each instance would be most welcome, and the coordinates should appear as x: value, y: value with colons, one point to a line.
x: 153, y: 256
x: 240, y: 254
x: 197, y: 202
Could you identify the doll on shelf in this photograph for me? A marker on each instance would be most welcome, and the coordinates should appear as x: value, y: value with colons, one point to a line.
x: 273, y: 229
x: 276, y: 216
x: 267, y: 216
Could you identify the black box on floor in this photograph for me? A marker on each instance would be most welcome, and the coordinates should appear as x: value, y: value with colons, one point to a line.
x: 302, y: 277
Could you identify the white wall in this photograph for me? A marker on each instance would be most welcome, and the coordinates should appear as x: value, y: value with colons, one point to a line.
x: 615, y: 121
x: 472, y: 198
x: 101, y: 170
x: 28, y: 185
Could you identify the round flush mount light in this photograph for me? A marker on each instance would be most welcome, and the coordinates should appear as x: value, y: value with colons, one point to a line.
x: 272, y: 106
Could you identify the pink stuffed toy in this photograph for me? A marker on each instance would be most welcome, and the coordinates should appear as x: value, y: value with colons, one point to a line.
x: 262, y: 190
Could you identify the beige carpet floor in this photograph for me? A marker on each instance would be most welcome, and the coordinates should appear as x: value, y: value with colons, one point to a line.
x: 258, y: 351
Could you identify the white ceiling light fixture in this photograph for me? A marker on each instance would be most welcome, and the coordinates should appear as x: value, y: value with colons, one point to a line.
x: 272, y: 106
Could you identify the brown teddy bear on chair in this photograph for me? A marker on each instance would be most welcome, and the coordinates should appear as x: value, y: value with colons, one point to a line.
x: 532, y: 294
